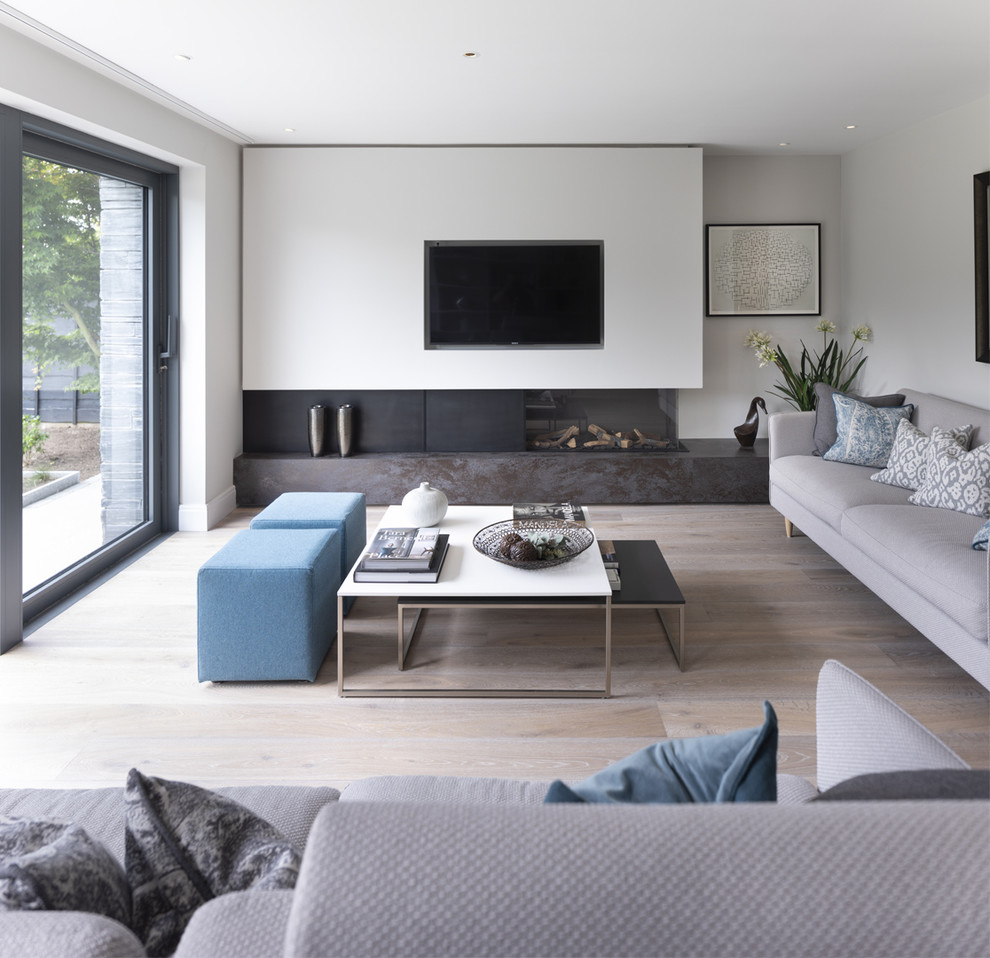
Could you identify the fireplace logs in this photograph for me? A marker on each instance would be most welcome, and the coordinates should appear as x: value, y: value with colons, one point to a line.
x: 569, y: 438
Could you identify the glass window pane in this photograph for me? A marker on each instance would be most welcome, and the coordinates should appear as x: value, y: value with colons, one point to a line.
x: 83, y: 364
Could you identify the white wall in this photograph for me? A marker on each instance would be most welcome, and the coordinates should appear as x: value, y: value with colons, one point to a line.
x: 333, y: 261
x: 38, y: 80
x: 754, y: 189
x: 907, y: 207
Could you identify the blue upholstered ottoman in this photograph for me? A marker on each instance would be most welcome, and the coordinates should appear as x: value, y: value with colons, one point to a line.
x: 267, y: 605
x: 344, y: 511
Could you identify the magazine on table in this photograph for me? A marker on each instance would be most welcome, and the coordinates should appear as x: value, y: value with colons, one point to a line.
x: 398, y: 572
x: 550, y: 510
x: 402, y: 547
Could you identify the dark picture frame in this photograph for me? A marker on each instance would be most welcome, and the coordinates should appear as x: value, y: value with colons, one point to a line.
x: 763, y: 269
x: 981, y: 245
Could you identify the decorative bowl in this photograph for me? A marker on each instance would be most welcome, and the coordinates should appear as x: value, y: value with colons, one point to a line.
x: 558, y: 539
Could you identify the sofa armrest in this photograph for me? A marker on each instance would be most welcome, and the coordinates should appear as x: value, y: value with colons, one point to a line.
x: 39, y: 934
x: 861, y: 731
x: 791, y: 434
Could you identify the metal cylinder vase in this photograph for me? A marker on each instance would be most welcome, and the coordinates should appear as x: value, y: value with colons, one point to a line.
x: 317, y: 430
x: 345, y: 428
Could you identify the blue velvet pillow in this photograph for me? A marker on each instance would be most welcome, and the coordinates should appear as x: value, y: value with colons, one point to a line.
x: 737, y: 767
x: 981, y: 537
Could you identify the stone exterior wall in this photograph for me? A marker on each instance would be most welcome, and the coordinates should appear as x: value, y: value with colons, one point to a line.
x: 122, y: 359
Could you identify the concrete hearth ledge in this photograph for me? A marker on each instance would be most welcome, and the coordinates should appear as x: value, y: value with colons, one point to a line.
x: 709, y: 470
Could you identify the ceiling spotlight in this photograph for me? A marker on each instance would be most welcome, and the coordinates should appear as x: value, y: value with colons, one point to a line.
x: 289, y: 129
x: 182, y: 57
x: 783, y: 143
x: 850, y: 126
x: 471, y: 55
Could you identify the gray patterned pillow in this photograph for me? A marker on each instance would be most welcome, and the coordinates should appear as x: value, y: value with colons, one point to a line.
x: 955, y: 479
x: 906, y: 467
x: 864, y: 433
x: 54, y: 866
x: 185, y: 845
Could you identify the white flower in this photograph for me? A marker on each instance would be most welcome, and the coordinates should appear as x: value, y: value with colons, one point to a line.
x: 758, y: 340
x: 862, y: 333
x: 825, y: 326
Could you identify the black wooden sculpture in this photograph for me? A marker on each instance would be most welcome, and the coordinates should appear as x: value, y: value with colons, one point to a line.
x: 746, y: 433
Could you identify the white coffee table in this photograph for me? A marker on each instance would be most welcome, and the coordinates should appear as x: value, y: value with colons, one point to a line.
x: 470, y: 579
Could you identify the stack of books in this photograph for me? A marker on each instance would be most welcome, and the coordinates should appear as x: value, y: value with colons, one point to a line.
x: 550, y: 510
x: 611, y: 561
x: 403, y: 554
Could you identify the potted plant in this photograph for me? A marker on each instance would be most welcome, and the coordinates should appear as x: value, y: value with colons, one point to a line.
x: 834, y: 366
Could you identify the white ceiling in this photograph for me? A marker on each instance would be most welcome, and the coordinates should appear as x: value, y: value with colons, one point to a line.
x: 730, y: 75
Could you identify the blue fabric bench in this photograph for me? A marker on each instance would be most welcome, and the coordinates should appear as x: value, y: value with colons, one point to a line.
x: 267, y: 605
x: 344, y: 511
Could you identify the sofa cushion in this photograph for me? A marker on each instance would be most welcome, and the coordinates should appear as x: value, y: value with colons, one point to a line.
x: 186, y: 845
x: 955, y: 478
x: 740, y: 766
x: 982, y: 536
x: 825, y: 426
x: 834, y: 879
x: 828, y: 489
x: 929, y: 550
x: 941, y: 784
x: 56, y: 866
x: 864, y: 435
x: 241, y: 924
x: 907, y: 465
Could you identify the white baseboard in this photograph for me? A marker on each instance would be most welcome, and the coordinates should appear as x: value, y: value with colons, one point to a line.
x: 202, y: 517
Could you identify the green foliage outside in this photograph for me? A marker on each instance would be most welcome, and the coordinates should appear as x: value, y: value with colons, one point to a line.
x: 61, y: 269
x: 32, y: 438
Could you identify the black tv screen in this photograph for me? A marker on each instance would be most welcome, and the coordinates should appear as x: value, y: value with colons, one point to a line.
x: 515, y: 294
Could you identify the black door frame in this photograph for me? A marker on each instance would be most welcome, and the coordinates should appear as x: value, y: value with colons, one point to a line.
x: 20, y: 133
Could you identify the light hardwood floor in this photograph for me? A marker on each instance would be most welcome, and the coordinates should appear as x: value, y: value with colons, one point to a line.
x: 111, y: 682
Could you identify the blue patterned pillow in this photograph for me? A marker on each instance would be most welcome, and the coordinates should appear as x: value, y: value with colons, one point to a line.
x: 981, y: 537
x: 864, y: 433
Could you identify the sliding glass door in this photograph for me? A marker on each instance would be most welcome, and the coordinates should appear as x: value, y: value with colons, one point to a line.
x: 96, y: 283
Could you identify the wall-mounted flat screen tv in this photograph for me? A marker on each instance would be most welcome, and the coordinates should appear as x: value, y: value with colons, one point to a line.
x: 527, y: 294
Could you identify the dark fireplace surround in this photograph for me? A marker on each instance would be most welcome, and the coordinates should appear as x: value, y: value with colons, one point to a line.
x: 465, y: 420
x: 490, y: 447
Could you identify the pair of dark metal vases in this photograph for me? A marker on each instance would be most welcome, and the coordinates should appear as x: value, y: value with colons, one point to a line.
x: 318, y: 434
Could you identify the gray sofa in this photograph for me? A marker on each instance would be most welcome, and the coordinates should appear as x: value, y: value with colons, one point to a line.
x: 427, y: 865
x: 919, y: 560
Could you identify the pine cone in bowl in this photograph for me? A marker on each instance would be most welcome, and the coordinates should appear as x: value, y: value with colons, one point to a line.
x: 523, y: 551
x: 505, y: 544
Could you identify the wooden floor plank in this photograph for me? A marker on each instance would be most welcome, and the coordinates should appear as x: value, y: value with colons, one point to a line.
x: 110, y: 683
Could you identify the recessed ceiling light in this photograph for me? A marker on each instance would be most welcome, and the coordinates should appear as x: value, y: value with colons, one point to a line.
x: 783, y: 143
x: 289, y: 129
x: 850, y: 126
x: 471, y: 55
x: 182, y: 57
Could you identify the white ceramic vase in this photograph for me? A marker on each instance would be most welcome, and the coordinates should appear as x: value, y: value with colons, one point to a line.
x: 424, y: 506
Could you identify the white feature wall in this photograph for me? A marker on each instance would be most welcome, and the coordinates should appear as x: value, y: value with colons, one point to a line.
x: 333, y: 261
x: 908, y: 263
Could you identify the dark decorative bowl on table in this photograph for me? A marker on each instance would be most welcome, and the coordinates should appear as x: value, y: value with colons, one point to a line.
x: 533, y: 543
